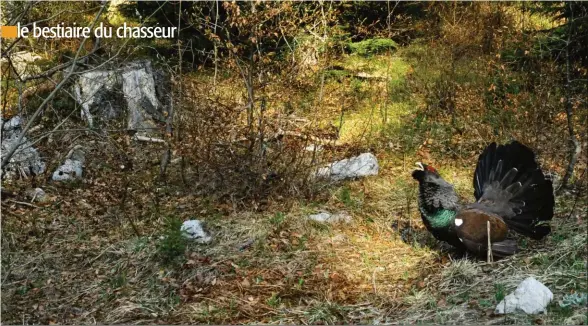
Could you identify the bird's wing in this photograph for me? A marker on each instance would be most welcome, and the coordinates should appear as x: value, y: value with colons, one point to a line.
x: 471, y: 227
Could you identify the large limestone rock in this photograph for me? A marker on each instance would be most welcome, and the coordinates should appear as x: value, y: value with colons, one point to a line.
x: 531, y: 297
x: 98, y: 92
x: 136, y: 91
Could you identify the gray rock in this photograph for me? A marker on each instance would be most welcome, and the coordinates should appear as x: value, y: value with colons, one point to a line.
x: 12, y: 124
x: 194, y: 230
x: 136, y: 90
x: 70, y: 170
x: 359, y: 166
x: 326, y: 217
x: 37, y: 195
x: 531, y: 297
x: 138, y: 84
x: 26, y: 160
x: 98, y: 93
x: 73, y: 166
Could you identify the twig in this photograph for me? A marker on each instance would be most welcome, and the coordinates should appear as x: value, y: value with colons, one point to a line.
x: 122, y: 208
x: 23, y: 203
x: 490, y: 258
x: 149, y: 139
x: 99, y: 255
x: 377, y: 269
x: 578, y: 192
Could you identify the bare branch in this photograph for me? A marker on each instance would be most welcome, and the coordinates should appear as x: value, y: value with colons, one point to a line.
x: 32, y: 119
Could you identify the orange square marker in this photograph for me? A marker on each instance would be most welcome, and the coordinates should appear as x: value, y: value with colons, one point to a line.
x: 8, y: 32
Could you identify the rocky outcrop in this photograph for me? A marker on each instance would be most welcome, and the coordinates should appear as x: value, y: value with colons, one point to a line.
x: 135, y: 91
x: 26, y: 160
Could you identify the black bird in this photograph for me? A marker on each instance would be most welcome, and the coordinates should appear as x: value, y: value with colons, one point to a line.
x: 511, y: 193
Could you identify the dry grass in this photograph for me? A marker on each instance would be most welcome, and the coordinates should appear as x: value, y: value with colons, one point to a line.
x: 63, y: 266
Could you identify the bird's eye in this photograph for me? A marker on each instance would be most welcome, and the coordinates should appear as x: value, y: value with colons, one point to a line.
x: 431, y: 169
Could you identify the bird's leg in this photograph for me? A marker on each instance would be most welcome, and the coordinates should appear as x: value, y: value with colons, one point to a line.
x: 489, y: 258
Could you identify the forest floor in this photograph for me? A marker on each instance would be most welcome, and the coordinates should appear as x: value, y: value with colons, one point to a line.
x: 78, y: 259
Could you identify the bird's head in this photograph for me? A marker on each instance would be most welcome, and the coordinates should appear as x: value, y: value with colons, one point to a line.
x: 425, y: 173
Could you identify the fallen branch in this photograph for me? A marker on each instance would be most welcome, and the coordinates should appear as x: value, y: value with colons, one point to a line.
x: 23, y: 203
x: 149, y: 139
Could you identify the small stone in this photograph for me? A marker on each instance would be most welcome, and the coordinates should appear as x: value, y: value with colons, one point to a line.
x: 37, y: 195
x: 194, y: 230
x: 25, y: 161
x: 326, y: 217
x: 77, y: 154
x: 70, y: 170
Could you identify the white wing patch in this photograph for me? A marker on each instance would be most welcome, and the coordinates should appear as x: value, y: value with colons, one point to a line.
x: 458, y: 221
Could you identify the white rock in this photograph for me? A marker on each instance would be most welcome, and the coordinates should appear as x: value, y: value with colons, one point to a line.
x: 76, y: 154
x: 70, y: 170
x: 14, y: 123
x: 193, y: 230
x: 326, y: 217
x: 26, y: 159
x: 138, y: 84
x: 144, y: 98
x: 355, y: 167
x: 93, y: 91
x: 531, y: 297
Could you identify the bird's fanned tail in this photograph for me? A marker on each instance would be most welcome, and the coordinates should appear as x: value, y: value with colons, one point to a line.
x: 509, y: 182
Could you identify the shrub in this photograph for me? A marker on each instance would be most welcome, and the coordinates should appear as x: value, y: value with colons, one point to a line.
x: 173, y: 243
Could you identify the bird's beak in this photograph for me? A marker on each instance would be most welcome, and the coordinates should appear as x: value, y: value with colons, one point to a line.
x: 420, y: 166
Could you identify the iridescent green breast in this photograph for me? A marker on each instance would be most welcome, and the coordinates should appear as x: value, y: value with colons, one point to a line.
x: 443, y: 218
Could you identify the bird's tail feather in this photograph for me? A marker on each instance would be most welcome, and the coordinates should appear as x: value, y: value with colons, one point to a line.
x: 509, y: 182
x: 504, y: 248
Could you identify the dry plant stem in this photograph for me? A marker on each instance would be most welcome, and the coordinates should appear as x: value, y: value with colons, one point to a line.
x: 490, y: 258
x: 11, y: 151
x: 23, y: 203
x: 122, y: 208
x: 575, y: 148
x: 166, y: 156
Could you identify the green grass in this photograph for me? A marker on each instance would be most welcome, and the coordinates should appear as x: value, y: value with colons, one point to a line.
x: 373, y: 46
x: 381, y: 98
x: 499, y: 292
